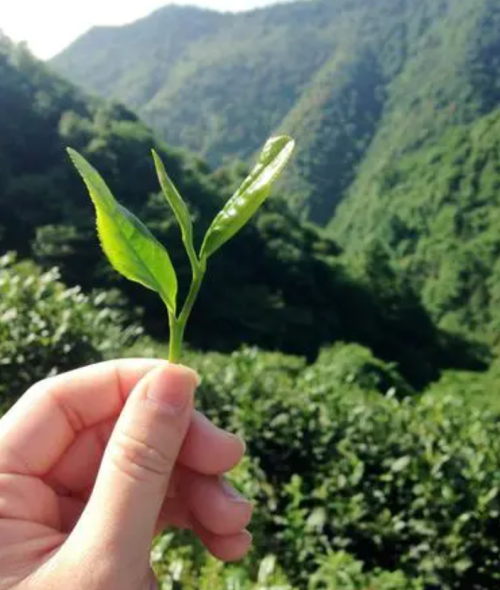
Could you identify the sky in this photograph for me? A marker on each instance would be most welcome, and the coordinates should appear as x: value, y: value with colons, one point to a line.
x: 48, y: 26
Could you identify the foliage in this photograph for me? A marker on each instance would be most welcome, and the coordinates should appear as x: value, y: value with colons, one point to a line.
x: 358, y: 81
x: 439, y: 221
x: 46, y: 328
x: 337, y: 571
x: 290, y: 289
x: 136, y: 254
x: 353, y: 368
x: 396, y: 104
x: 360, y: 480
x: 352, y: 486
x: 477, y: 390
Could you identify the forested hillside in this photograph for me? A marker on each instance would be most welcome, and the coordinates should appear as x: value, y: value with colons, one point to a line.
x: 351, y: 78
x: 300, y: 67
x: 438, y: 209
x: 394, y: 102
x: 281, y: 286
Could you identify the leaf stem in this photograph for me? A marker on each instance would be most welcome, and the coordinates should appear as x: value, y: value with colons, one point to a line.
x: 175, y: 340
x: 178, y: 325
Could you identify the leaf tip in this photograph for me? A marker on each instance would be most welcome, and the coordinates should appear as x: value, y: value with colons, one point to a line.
x: 289, y: 142
x: 156, y: 158
x: 74, y: 156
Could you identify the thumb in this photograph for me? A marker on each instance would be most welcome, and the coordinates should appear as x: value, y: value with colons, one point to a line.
x: 130, y: 489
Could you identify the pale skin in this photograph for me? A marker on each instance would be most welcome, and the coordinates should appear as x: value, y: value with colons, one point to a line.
x: 95, y: 462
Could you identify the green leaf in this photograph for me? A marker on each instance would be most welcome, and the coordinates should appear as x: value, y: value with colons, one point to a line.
x: 178, y: 205
x: 130, y: 247
x: 401, y: 464
x: 250, y: 196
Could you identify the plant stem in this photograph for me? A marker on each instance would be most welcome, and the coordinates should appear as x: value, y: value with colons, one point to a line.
x: 175, y: 341
x: 178, y: 325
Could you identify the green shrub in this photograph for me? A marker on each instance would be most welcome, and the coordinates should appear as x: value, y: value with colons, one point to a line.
x: 409, y: 488
x: 354, y: 368
x: 177, y: 569
x: 354, y: 487
x: 340, y: 571
x: 185, y: 568
x: 46, y: 328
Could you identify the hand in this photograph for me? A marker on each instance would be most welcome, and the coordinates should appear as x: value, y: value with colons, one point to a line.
x: 95, y: 462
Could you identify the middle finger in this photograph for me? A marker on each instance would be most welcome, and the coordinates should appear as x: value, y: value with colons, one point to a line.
x: 207, y: 449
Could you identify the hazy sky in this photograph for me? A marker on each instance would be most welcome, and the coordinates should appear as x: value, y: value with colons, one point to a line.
x: 50, y: 25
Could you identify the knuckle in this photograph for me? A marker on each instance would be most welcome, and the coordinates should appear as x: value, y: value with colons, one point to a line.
x: 140, y: 460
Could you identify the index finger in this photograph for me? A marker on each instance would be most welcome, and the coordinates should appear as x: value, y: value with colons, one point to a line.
x: 35, y: 433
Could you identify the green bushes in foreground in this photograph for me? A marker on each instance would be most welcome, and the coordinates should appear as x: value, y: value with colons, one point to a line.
x: 47, y: 328
x: 353, y: 482
x: 337, y: 571
x: 359, y: 483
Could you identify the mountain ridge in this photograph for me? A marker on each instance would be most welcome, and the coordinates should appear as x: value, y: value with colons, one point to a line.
x: 368, y: 89
x: 281, y: 285
x: 280, y: 70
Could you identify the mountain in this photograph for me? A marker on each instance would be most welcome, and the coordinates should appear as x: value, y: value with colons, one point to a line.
x: 429, y: 188
x: 343, y: 76
x: 281, y: 285
x: 219, y: 84
x: 438, y: 209
x: 394, y: 104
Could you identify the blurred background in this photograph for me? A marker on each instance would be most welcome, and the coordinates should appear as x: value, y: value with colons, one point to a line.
x: 351, y: 332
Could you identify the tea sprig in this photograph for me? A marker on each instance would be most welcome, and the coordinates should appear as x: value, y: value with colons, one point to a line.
x: 136, y: 254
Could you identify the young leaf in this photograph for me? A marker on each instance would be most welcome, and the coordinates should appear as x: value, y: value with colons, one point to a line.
x: 130, y: 247
x: 250, y: 196
x: 178, y: 205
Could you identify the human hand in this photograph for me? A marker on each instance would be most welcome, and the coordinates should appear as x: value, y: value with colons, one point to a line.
x: 95, y: 462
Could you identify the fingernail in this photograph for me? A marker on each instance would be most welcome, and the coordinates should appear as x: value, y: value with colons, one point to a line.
x: 231, y: 493
x: 172, y: 388
x: 192, y: 372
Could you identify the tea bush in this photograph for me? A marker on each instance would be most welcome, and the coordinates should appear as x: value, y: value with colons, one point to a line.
x: 338, y: 571
x: 358, y: 482
x: 407, y: 488
x: 46, y: 328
